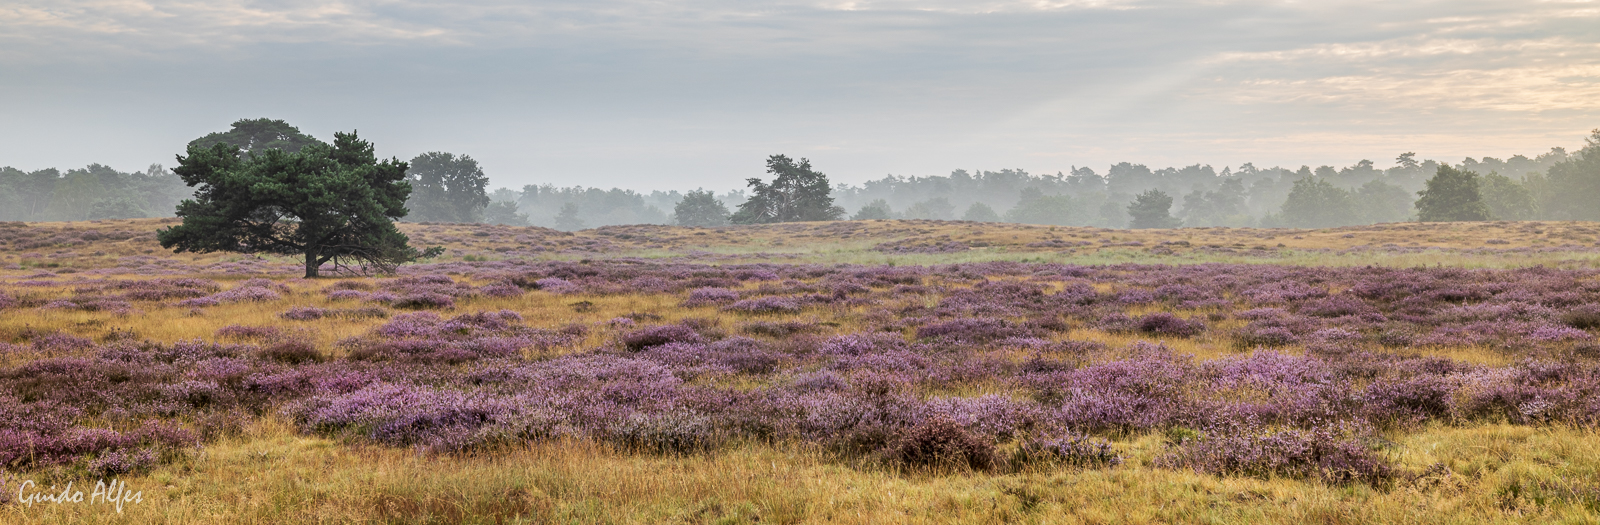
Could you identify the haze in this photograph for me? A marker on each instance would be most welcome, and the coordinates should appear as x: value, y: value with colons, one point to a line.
x: 675, y: 95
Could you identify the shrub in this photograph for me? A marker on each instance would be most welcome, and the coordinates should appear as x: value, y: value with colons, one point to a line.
x: 679, y: 433
x: 248, y: 332
x: 710, y: 296
x: 778, y: 329
x: 425, y: 300
x: 1163, y: 323
x: 974, y: 330
x: 291, y: 352
x: 659, y: 335
x: 1586, y: 317
x: 1071, y: 449
x: 940, y: 442
x: 304, y: 313
x: 1340, y: 453
x: 766, y: 305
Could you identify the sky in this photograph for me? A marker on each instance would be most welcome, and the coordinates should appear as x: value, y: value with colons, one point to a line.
x: 664, y: 94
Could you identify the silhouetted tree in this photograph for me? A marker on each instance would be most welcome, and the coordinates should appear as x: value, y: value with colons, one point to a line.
x: 700, y: 208
x: 446, y: 188
x: 1451, y: 195
x: 1152, y: 209
x: 797, y: 193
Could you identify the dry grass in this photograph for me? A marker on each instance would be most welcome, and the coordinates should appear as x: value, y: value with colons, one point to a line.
x: 1496, y: 474
x: 1467, y: 244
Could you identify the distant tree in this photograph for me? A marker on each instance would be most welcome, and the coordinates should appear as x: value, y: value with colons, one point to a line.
x: 1378, y: 201
x: 1316, y: 203
x: 980, y: 212
x: 700, y: 208
x: 1152, y: 209
x: 1507, y: 199
x: 594, y: 206
x: 504, y: 212
x: 1224, y: 206
x: 258, y: 135
x: 120, y: 207
x: 75, y: 194
x: 1572, y: 186
x: 797, y: 193
x: 330, y: 203
x: 1407, y: 161
x: 875, y: 210
x: 567, y: 219
x: 505, y: 195
x: 1112, y: 213
x: 12, y: 204
x: 1034, y: 207
x: 937, y: 208
x: 446, y: 188
x: 1451, y: 195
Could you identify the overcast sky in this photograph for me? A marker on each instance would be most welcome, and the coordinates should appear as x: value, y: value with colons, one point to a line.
x: 664, y: 94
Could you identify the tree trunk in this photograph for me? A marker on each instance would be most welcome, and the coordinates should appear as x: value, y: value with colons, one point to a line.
x: 311, y: 264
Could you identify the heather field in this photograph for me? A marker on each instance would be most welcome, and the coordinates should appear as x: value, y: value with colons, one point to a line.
x: 856, y: 372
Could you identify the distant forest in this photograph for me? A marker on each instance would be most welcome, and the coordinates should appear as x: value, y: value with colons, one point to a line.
x: 1552, y: 185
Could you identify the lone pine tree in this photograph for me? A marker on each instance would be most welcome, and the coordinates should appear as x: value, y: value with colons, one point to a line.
x: 328, y: 203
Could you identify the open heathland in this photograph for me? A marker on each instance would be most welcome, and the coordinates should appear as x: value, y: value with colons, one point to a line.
x: 862, y: 371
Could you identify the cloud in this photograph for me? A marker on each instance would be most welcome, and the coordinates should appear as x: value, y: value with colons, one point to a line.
x: 612, y: 89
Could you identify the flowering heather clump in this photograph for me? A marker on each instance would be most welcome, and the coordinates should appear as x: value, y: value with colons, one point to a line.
x: 710, y: 296
x: 234, y: 331
x: 660, y: 335
x: 673, y: 433
x: 778, y: 329
x: 1340, y: 453
x: 1162, y: 323
x: 291, y: 352
x: 92, y: 304
x: 346, y: 295
x: 425, y: 300
x: 977, y: 330
x: 1584, y: 317
x: 1268, y: 336
x: 863, y: 343
x: 115, y: 462
x: 556, y: 285
x: 59, y: 342
x: 1336, y: 306
x: 304, y: 313
x: 941, y: 443
x: 247, y: 294
x: 1075, y: 450
x: 766, y: 305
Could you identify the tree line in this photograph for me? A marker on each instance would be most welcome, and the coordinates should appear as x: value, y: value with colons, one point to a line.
x: 1555, y: 185
x: 449, y: 187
